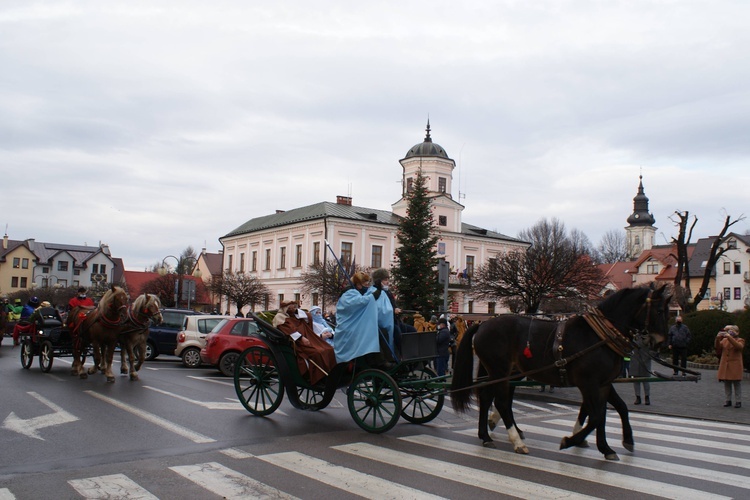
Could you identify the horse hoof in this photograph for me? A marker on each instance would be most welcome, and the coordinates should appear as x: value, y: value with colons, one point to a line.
x: 628, y: 446
x: 584, y: 444
x: 612, y: 456
x: 134, y: 377
x: 123, y: 371
x: 522, y: 450
x: 84, y: 375
x: 491, y: 424
x: 489, y: 444
x: 110, y: 380
x: 564, y: 443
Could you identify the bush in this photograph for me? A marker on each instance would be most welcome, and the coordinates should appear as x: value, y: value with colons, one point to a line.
x: 707, y: 358
x: 704, y: 325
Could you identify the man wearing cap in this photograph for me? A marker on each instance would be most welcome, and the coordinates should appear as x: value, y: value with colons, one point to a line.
x: 315, y: 357
x: 80, y: 300
x: 679, y: 338
x: 443, y: 340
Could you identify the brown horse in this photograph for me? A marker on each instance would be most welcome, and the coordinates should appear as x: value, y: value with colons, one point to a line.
x: 100, y: 328
x: 134, y: 332
x: 570, y: 353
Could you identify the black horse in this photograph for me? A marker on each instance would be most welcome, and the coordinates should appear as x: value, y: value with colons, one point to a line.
x: 569, y: 353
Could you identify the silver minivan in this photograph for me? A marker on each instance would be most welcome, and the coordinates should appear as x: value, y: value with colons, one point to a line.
x: 192, y: 338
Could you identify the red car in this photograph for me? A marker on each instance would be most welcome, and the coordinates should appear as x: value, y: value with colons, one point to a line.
x: 227, y: 340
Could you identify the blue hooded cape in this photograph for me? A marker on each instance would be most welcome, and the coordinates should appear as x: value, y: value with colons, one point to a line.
x: 356, y: 325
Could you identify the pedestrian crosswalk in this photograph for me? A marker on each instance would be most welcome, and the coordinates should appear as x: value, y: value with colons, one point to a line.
x: 674, y: 458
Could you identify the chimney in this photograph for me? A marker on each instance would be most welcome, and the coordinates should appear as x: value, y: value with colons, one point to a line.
x: 5, y: 242
x: 30, y: 243
x: 344, y: 200
x: 280, y: 211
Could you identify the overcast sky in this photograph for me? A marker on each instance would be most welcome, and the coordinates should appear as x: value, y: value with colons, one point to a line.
x: 155, y: 125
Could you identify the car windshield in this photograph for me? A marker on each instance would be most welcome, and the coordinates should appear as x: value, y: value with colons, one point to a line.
x: 219, y: 326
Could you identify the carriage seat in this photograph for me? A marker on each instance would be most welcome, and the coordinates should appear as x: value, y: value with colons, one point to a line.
x: 49, y: 317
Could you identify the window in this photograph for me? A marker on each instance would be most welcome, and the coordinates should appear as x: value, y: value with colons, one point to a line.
x: 24, y: 282
x: 103, y: 268
x: 25, y: 263
x: 377, y: 256
x: 442, y: 220
x: 409, y: 185
x: 441, y: 248
x: 316, y: 253
x: 242, y: 262
x: 346, y: 253
x: 95, y: 268
x: 298, y: 256
x: 45, y: 270
x: 76, y: 272
x: 738, y: 293
x: 490, y: 308
x: 727, y: 267
x: 254, y: 263
x: 727, y: 293
x: 297, y: 298
x: 266, y: 301
x: 14, y: 282
x: 471, y: 306
x: 62, y: 266
x: 16, y: 262
x: 268, y: 259
x: 282, y: 258
x: 315, y: 298
x: 708, y: 294
x: 442, y: 184
x: 469, y: 265
x: 281, y: 299
x: 737, y: 268
x: 229, y: 264
x: 732, y: 244
x: 637, y: 240
x: 652, y: 268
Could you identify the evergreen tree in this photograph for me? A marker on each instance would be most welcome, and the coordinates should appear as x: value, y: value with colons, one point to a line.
x: 415, y: 272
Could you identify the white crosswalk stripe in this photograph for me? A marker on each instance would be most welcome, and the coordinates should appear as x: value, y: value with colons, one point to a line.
x: 674, y: 458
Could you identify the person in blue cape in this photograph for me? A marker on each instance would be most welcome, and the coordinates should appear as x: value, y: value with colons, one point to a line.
x: 320, y: 326
x: 357, y: 323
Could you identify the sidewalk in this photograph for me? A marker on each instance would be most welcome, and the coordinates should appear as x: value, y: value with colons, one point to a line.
x: 702, y: 400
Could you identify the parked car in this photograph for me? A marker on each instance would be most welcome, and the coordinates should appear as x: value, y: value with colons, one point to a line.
x: 192, y: 337
x: 162, y: 338
x: 227, y: 340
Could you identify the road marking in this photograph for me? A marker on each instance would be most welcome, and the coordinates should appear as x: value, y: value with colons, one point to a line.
x: 236, y: 453
x: 154, y: 419
x: 649, y: 448
x: 227, y: 483
x: 5, y: 494
x: 29, y: 427
x: 578, y: 472
x: 218, y: 405
x: 349, y: 480
x: 213, y: 380
x: 490, y: 481
x: 533, y: 407
x: 113, y: 486
x: 675, y: 438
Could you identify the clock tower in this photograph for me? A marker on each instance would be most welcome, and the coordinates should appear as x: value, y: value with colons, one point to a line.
x: 640, y: 231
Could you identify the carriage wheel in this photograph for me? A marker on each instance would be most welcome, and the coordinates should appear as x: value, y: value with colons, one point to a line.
x: 27, y: 353
x: 312, y: 398
x: 46, y: 354
x: 374, y: 401
x: 257, y: 381
x: 421, y: 404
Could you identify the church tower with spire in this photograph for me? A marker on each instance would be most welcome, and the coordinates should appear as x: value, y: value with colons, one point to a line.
x: 640, y: 230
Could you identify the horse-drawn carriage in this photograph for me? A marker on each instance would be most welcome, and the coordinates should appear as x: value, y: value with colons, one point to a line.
x: 48, y: 338
x: 376, y: 398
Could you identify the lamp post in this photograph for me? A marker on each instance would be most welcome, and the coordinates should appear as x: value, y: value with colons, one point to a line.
x: 182, y: 264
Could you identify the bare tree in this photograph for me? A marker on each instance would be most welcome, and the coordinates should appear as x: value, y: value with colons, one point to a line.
x: 163, y: 287
x: 555, y: 266
x: 685, y: 233
x: 613, y: 247
x: 327, y: 279
x: 239, y: 288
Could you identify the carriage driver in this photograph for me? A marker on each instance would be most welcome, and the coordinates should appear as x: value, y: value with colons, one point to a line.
x: 24, y: 324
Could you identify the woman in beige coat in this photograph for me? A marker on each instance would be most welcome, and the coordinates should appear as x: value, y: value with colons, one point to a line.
x: 729, y: 346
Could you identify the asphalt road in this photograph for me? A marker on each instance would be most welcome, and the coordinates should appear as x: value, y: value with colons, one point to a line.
x: 180, y: 433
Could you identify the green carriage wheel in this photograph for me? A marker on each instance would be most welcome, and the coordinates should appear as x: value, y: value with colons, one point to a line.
x: 27, y: 353
x: 46, y: 355
x: 420, y: 403
x: 257, y: 381
x: 312, y: 398
x: 374, y: 401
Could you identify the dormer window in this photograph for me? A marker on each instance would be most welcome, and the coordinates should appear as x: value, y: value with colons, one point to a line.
x: 731, y: 244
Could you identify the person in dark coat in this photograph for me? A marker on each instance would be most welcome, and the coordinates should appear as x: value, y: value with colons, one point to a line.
x: 443, y: 342
x: 640, y: 366
x: 679, y: 338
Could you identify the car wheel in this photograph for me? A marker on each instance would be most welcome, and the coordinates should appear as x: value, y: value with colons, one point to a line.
x: 191, y: 357
x: 227, y: 362
x: 150, y: 351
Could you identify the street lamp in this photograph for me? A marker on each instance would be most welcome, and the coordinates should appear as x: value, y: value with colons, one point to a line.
x: 182, y: 264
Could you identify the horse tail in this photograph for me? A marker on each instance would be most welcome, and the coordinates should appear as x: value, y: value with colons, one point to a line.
x: 463, y: 371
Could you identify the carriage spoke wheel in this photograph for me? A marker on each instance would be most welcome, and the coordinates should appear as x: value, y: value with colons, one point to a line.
x: 27, y: 353
x: 257, y: 382
x: 374, y: 401
x: 312, y: 398
x: 421, y: 403
x: 46, y: 354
